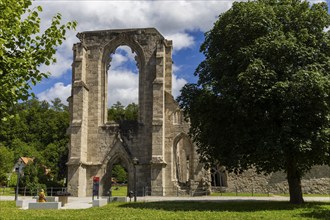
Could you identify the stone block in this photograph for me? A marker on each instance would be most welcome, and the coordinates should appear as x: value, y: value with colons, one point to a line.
x: 99, y: 202
x: 44, y: 205
x: 23, y: 203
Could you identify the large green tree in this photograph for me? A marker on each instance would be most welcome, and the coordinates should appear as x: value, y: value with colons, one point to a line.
x: 262, y: 99
x: 33, y: 176
x: 23, y: 49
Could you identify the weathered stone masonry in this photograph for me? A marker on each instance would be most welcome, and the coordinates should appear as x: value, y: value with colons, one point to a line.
x: 168, y: 162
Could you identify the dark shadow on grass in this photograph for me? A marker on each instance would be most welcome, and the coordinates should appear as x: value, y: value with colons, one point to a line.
x: 315, y: 209
x: 317, y: 214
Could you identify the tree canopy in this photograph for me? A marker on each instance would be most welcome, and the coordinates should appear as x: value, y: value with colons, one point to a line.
x: 38, y: 130
x: 6, y: 164
x: 23, y: 49
x: 119, y: 173
x: 119, y: 113
x: 262, y: 98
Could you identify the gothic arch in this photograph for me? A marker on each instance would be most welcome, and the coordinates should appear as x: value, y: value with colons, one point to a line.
x: 177, y: 117
x: 219, y: 176
x: 123, y: 39
x: 105, y: 60
x: 117, y: 155
x: 183, y: 159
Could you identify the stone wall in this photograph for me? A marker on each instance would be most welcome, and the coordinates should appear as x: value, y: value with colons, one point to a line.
x: 317, y: 181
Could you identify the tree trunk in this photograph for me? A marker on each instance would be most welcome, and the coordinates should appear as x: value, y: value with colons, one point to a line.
x: 294, y: 180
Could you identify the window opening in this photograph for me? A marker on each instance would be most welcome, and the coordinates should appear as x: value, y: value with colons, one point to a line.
x: 123, y: 85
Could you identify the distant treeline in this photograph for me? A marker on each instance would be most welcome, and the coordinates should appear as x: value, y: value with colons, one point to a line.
x: 38, y: 130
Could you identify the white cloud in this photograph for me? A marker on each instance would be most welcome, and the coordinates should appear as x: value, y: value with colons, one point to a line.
x: 128, y: 52
x: 174, y: 19
x: 59, y: 90
x: 62, y: 65
x: 181, y: 41
x: 122, y: 86
x: 122, y: 55
x: 177, y: 84
x: 316, y: 1
x: 123, y: 83
x: 175, y: 68
x: 117, y: 60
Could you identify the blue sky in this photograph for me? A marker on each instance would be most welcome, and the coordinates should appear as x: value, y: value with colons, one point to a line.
x: 184, y: 22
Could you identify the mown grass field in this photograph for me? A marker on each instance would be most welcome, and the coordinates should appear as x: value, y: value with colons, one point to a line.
x: 7, y: 191
x: 119, y: 190
x: 177, y: 210
x: 264, y: 194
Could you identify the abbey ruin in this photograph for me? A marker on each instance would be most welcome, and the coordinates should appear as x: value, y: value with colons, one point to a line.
x: 167, y: 159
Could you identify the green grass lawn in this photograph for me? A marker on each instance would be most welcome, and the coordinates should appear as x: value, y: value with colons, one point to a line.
x: 119, y: 190
x: 6, y: 191
x: 177, y: 210
x: 264, y: 194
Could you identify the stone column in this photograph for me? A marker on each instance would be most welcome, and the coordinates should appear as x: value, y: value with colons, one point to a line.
x: 79, y: 123
x: 158, y: 124
x: 168, y: 66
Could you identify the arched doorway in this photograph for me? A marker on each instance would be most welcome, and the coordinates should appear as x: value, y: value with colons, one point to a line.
x: 119, y: 180
x: 109, y: 180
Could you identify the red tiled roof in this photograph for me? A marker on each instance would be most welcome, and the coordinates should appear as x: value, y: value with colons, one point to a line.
x: 26, y: 160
